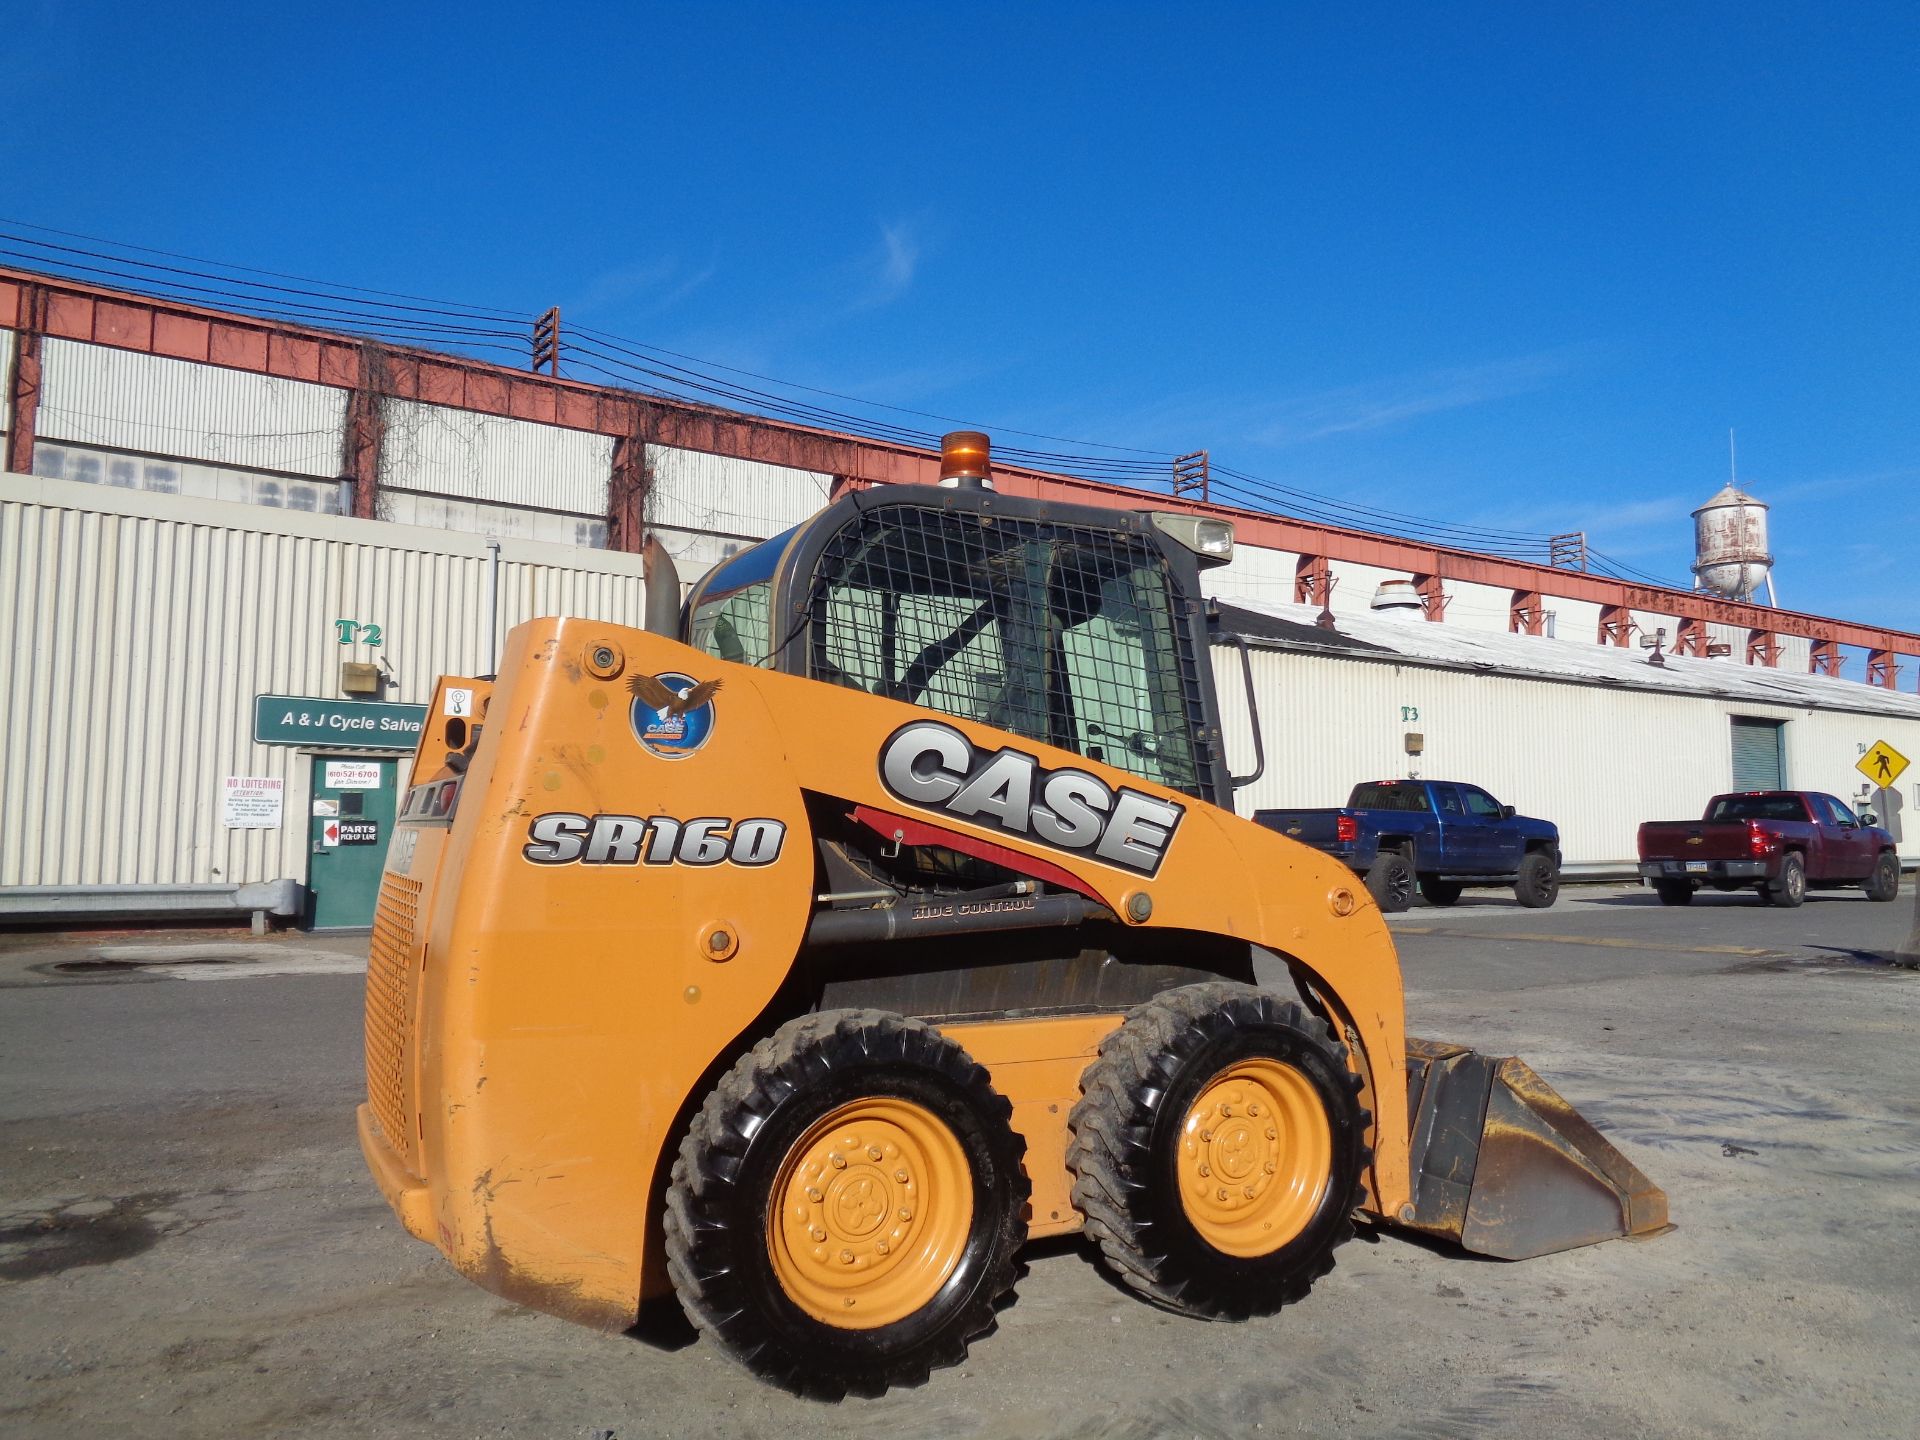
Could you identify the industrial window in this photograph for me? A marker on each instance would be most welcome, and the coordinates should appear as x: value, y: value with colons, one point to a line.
x: 1757, y: 760
x: 1060, y: 633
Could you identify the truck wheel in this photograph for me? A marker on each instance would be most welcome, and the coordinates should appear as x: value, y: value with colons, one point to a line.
x: 1390, y: 881
x: 1884, y: 884
x: 1440, y: 892
x: 846, y: 1206
x: 1537, y: 885
x: 1674, y: 892
x: 1790, y: 888
x: 1217, y: 1151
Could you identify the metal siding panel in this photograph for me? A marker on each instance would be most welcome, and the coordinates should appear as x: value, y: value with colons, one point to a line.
x: 692, y: 490
x: 141, y: 638
x: 1256, y: 573
x: 1549, y: 748
x: 444, y: 451
x: 97, y: 395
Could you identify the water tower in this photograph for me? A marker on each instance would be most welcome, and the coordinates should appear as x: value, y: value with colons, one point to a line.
x: 1730, y: 555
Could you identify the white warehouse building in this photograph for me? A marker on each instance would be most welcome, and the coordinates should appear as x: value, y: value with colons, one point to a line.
x: 232, y: 565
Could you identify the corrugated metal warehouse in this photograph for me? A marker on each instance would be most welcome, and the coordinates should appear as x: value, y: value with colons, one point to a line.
x: 212, y: 524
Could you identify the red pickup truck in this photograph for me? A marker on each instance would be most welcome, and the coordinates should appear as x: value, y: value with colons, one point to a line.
x: 1780, y: 843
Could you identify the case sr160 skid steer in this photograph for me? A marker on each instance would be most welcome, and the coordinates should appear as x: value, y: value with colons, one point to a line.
x: 808, y: 964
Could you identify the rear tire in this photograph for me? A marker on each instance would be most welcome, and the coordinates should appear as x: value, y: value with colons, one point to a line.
x: 1674, y: 892
x: 1440, y: 892
x: 1218, y: 1150
x: 1789, y: 890
x: 764, y: 1208
x: 1537, y: 885
x: 1390, y: 881
x: 1884, y: 883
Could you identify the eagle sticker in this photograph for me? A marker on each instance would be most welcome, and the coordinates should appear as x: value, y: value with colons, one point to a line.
x: 672, y: 714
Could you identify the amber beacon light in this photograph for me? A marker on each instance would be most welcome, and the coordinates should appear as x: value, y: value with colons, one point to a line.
x: 965, y: 460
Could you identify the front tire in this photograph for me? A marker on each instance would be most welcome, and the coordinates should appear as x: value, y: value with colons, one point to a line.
x: 1218, y: 1149
x: 846, y: 1206
x: 1537, y: 885
x: 1884, y: 883
x: 1674, y: 892
x: 1390, y: 881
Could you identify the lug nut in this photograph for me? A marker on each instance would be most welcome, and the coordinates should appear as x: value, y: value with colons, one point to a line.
x: 846, y: 1257
x: 873, y: 1152
x: 837, y: 1160
x: 901, y: 1176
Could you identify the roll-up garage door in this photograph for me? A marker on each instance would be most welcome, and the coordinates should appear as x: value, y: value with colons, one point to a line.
x: 1757, y: 763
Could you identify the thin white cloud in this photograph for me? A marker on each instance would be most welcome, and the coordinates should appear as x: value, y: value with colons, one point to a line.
x: 1378, y: 405
x: 891, y: 266
x: 643, y: 288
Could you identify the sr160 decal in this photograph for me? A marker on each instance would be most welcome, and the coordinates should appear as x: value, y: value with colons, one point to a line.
x: 935, y: 767
x: 562, y: 838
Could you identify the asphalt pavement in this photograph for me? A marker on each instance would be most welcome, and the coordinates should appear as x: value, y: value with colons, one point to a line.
x: 189, y: 1244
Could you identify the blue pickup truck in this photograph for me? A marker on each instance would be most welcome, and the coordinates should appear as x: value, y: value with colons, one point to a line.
x: 1439, y: 834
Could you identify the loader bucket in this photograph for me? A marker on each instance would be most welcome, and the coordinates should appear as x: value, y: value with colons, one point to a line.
x: 1505, y: 1167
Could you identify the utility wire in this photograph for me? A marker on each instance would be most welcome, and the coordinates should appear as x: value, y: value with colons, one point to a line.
x: 655, y: 370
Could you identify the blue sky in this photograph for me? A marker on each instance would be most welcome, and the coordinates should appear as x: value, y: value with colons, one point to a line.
x: 1511, y: 265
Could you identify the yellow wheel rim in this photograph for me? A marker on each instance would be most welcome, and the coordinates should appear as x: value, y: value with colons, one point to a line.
x: 870, y: 1213
x: 1256, y: 1157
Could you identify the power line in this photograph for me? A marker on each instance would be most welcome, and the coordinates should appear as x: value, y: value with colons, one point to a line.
x: 412, y: 319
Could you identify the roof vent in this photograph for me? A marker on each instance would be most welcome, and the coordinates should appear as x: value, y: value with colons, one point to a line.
x: 1397, y: 597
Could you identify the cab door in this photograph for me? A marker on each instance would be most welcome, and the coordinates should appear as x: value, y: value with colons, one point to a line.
x: 351, y: 823
x: 1851, y: 847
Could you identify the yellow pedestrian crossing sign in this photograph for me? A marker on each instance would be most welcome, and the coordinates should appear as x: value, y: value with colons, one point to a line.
x: 1882, y: 764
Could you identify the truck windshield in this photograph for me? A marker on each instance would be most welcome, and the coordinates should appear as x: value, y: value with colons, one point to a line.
x: 1758, y: 807
x: 1064, y: 634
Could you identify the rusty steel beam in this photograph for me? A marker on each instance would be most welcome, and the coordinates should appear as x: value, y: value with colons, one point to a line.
x: 23, y: 381
x: 156, y: 326
x: 1433, y: 600
x: 1763, y: 647
x: 1691, y: 638
x: 1824, y: 658
x: 1883, y: 669
x: 1526, y: 613
x: 1616, y: 625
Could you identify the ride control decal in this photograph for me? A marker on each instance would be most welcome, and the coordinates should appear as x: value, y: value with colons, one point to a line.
x: 671, y: 714
x: 563, y: 837
x: 935, y: 767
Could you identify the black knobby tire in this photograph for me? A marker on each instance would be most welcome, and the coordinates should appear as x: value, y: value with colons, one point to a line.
x: 1674, y: 892
x: 1390, y: 881
x: 1884, y: 883
x: 731, y: 1163
x: 1440, y: 892
x: 1790, y: 888
x: 1128, y: 1128
x: 1537, y: 885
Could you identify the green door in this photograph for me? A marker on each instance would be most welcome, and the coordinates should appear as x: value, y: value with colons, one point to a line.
x: 350, y: 824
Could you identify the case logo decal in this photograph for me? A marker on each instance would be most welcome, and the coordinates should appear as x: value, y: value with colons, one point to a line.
x: 935, y: 767
x: 564, y: 837
x: 671, y: 714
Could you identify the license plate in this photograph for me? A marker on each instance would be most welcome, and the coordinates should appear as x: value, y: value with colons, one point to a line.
x: 1696, y: 867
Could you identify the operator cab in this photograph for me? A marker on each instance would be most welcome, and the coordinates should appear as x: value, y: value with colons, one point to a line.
x: 1071, y: 625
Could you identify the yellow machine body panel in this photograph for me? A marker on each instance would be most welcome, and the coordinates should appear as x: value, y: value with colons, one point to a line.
x: 569, y: 958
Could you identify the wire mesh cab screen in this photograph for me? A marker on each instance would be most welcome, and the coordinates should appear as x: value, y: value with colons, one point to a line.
x: 1065, y: 634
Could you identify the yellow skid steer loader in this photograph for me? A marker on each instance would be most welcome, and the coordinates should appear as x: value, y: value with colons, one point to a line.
x: 807, y: 951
